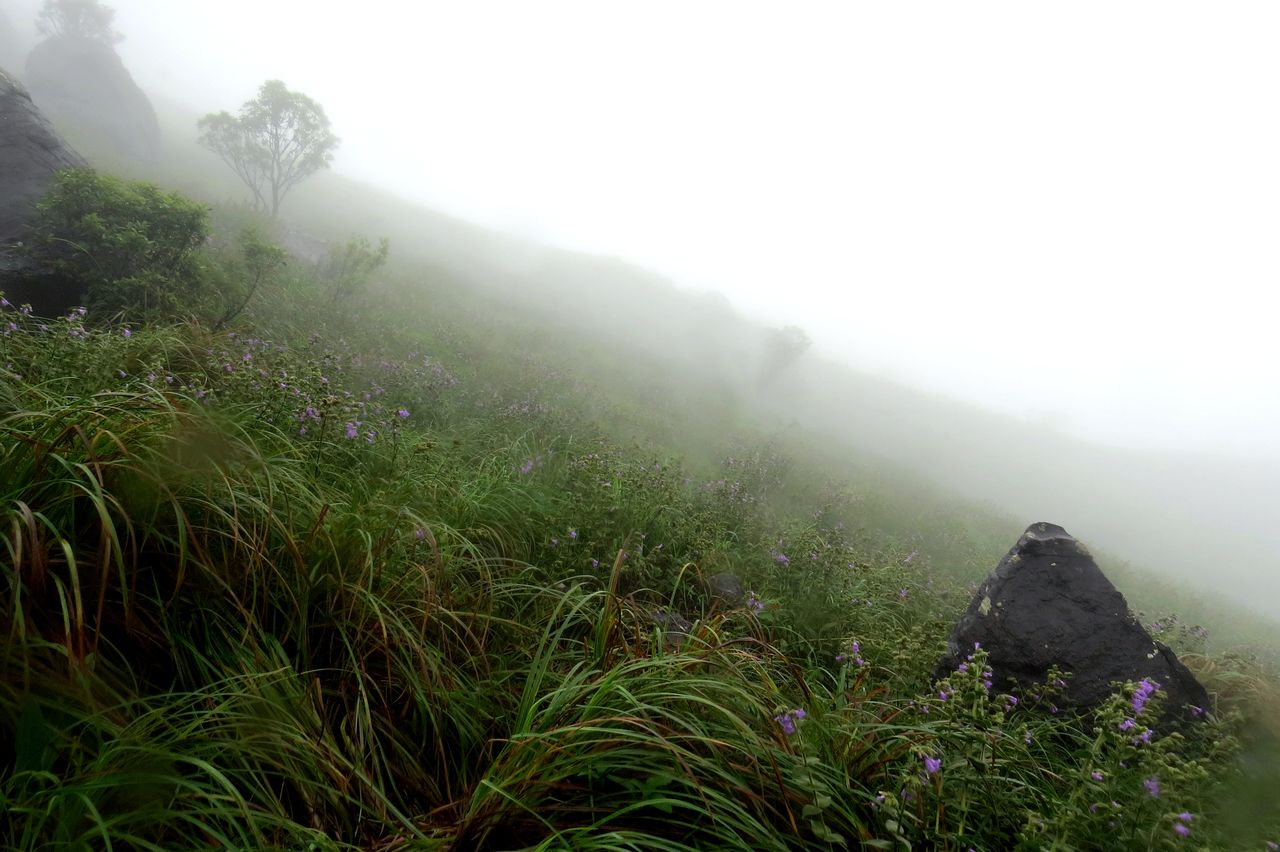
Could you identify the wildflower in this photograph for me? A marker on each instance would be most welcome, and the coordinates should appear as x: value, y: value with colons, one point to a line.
x: 595, y: 563
x: 1127, y: 725
x: 1196, y: 711
x: 573, y: 534
x: 1185, y: 816
x: 419, y: 533
x: 1153, y: 787
x: 369, y: 436
x: 127, y: 334
x: 787, y: 720
x: 781, y: 559
x: 554, y: 541
x: 403, y: 413
x: 122, y: 374
x: 352, y: 430
x: 1142, y: 694
x: 1095, y: 775
x: 1181, y: 830
x: 902, y: 593
x: 932, y: 765
x: 1026, y: 738
x: 754, y: 603
x: 4, y: 303
x: 527, y: 467
x: 962, y: 668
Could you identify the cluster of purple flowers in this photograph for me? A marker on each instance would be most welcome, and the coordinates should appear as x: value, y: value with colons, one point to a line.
x: 854, y: 655
x: 1182, y: 826
x: 931, y: 764
x: 1141, y: 695
x: 754, y: 603
x: 789, y: 719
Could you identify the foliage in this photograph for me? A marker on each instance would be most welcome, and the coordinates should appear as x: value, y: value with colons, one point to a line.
x: 259, y: 262
x: 279, y: 139
x: 77, y: 18
x: 130, y: 246
x: 350, y: 265
x: 373, y: 574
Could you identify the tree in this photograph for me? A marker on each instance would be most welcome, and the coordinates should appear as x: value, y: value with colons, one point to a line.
x: 279, y: 139
x: 783, y: 347
x: 81, y: 18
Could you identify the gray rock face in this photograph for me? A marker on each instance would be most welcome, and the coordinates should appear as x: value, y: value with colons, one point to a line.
x: 1047, y: 604
x: 30, y: 154
x: 84, y: 89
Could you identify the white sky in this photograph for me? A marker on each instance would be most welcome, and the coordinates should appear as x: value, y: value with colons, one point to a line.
x: 1065, y: 210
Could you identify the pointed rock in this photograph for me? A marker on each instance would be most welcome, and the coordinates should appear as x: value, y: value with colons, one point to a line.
x: 1047, y: 604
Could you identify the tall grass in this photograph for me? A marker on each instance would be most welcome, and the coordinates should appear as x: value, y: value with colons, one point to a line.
x: 338, y: 589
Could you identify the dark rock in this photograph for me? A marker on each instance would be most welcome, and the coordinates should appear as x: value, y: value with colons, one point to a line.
x: 727, y: 589
x: 675, y: 627
x: 30, y: 154
x: 1047, y: 604
x: 85, y: 90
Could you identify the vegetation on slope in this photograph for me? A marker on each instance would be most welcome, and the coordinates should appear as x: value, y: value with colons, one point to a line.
x: 370, y: 574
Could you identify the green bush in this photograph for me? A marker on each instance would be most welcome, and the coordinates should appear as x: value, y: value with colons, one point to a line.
x: 131, y: 248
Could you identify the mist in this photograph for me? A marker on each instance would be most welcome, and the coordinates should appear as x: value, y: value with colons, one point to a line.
x: 1032, y: 246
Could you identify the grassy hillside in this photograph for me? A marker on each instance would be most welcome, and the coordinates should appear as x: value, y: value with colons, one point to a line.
x: 437, y: 567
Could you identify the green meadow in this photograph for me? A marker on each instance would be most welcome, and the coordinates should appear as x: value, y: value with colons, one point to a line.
x: 300, y: 554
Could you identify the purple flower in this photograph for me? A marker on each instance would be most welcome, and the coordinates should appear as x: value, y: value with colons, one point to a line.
x: 902, y: 593
x: 1181, y: 830
x: 1127, y: 725
x: 527, y: 467
x: 932, y: 765
x: 573, y: 534
x: 1095, y: 775
x: 1142, y: 694
x: 369, y: 436
x: 403, y: 413
x: 1026, y: 738
x: 595, y: 563
x: 1185, y: 816
x: 127, y: 334
x: 352, y: 430
x: 420, y: 533
x: 1153, y: 787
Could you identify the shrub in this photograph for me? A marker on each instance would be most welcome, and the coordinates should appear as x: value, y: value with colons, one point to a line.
x: 129, y: 246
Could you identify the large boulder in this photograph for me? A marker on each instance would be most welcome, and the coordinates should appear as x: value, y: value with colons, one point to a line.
x: 84, y: 88
x: 1047, y: 604
x: 30, y: 153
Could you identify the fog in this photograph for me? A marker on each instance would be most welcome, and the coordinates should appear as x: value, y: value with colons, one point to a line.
x: 1062, y: 213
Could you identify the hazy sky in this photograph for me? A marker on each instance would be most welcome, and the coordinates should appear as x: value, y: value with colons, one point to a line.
x: 1069, y: 211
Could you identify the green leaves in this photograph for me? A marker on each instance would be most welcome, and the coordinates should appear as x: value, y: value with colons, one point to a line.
x: 130, y: 246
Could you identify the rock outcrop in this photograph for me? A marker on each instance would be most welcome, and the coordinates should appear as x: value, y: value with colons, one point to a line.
x: 83, y: 87
x: 1047, y: 604
x: 30, y: 154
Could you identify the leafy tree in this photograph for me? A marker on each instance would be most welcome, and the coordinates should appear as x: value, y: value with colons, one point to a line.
x: 279, y: 139
x: 81, y: 18
x: 129, y: 246
x: 350, y: 266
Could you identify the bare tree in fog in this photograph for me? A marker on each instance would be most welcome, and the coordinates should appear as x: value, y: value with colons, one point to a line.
x: 78, y: 18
